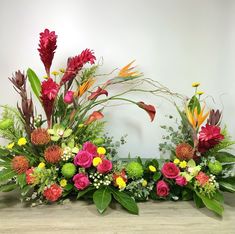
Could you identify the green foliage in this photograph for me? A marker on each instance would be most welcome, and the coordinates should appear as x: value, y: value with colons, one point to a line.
x: 225, y: 157
x: 198, y: 201
x: 194, y: 103
x: 34, y: 82
x: 8, y: 187
x: 85, y: 191
x: 102, y: 198
x: 17, y: 130
x: 227, y: 184
x: 6, y: 174
x: 87, y: 73
x: 21, y: 180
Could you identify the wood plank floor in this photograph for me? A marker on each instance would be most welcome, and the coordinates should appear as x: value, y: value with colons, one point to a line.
x: 80, y: 217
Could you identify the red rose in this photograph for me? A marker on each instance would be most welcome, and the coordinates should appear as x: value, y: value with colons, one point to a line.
x: 81, y: 181
x: 162, y: 188
x: 53, y: 193
x: 181, y: 181
x: 83, y: 159
x: 105, y: 167
x: 170, y: 170
x: 89, y: 147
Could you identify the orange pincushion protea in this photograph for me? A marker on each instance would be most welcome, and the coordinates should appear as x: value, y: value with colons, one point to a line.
x: 184, y: 151
x: 20, y: 164
x: 40, y: 136
x: 53, y: 154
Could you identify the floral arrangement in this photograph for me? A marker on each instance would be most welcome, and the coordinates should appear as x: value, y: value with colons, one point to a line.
x: 67, y: 155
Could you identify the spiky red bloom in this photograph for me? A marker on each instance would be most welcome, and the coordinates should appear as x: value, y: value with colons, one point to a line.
x: 40, y: 136
x: 76, y: 63
x: 53, y: 154
x: 47, y: 47
x: 49, y: 92
x: 209, y: 136
x: 20, y: 164
x: 202, y: 178
x: 53, y: 193
x: 30, y: 178
x: 149, y: 109
x: 184, y: 151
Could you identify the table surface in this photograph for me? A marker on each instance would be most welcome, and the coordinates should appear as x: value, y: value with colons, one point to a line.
x: 81, y: 217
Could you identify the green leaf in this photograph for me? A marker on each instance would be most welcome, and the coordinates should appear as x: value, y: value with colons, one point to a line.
x: 156, y: 176
x: 6, y: 174
x: 8, y: 187
x: 198, y: 201
x: 34, y: 82
x: 67, y: 133
x: 212, y: 204
x: 83, y: 192
x: 3, y: 152
x: 194, y: 103
x: 219, y: 197
x: 225, y: 157
x: 25, y: 190
x: 55, y: 138
x: 68, y: 187
x: 102, y: 198
x: 227, y: 186
x: 125, y: 201
x: 21, y: 180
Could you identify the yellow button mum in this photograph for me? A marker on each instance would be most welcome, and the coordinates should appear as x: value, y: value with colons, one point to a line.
x: 183, y: 164
x: 22, y: 141
x: 101, y: 150
x: 152, y: 168
x: 10, y: 146
x: 96, y: 161
x: 200, y: 92
x: 55, y: 73
x: 176, y: 161
x: 63, y: 182
x: 195, y: 84
x: 144, y: 183
x: 120, y: 182
x: 41, y: 165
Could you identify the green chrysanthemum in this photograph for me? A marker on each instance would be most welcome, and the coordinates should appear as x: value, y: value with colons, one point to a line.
x: 68, y: 170
x: 215, y: 167
x: 134, y: 170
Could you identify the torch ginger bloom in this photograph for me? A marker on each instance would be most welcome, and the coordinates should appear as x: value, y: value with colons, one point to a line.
x: 47, y: 47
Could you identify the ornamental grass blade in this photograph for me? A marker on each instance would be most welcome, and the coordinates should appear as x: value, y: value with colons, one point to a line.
x: 102, y: 198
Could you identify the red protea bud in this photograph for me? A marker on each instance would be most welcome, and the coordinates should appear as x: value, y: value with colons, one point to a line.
x: 40, y: 136
x: 53, y: 154
x: 76, y: 63
x: 184, y: 151
x: 47, y: 47
x: 20, y: 164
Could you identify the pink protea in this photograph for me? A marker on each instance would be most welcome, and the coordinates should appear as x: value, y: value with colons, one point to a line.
x: 47, y: 47
x: 76, y: 63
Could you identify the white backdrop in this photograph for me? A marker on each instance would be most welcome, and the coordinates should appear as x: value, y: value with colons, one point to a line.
x: 174, y: 41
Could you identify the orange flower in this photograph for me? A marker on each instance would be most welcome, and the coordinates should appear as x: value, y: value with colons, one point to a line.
x: 128, y: 71
x: 96, y: 115
x: 84, y: 87
x: 196, y: 118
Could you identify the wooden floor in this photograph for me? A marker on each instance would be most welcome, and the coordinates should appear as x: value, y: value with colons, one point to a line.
x: 80, y: 217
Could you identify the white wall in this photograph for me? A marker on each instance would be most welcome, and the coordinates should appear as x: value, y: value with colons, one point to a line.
x: 174, y: 41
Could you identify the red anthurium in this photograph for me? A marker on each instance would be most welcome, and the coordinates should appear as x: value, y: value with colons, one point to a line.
x: 97, y: 93
x: 47, y: 47
x: 96, y: 115
x: 149, y: 108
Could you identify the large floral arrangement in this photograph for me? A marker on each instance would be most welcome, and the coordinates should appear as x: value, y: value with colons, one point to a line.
x: 67, y: 155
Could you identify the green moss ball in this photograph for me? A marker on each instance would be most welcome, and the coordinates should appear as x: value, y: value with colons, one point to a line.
x: 134, y: 170
x: 68, y: 170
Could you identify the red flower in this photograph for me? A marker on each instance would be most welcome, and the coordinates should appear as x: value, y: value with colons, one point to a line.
x: 83, y: 159
x: 47, y: 46
x: 209, y: 136
x: 97, y: 93
x: 202, y: 178
x: 49, y: 92
x: 53, y: 193
x: 170, y: 170
x: 121, y: 174
x: 30, y: 178
x: 90, y: 148
x: 76, y: 63
x: 105, y: 166
x: 96, y: 115
x: 20, y: 164
x: 149, y: 108
x: 162, y: 188
x: 81, y: 181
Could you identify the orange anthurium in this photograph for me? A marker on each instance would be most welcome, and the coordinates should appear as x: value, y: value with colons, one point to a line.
x: 128, y: 71
x: 84, y: 87
x: 96, y: 115
x: 196, y: 119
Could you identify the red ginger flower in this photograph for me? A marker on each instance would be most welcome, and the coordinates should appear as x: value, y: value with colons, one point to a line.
x: 53, y: 193
x: 20, y: 164
x: 47, y: 47
x: 209, y: 136
x: 149, y: 109
x: 76, y: 63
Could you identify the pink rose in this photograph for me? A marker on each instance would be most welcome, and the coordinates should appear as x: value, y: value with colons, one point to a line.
x: 83, y: 159
x: 68, y: 98
x: 81, y: 181
x: 181, y: 181
x: 170, y: 170
x: 105, y: 167
x: 89, y: 147
x: 162, y: 188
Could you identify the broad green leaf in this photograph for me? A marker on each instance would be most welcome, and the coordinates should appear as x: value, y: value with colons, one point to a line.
x: 25, y: 190
x: 219, y: 197
x: 8, y: 187
x: 198, y: 201
x: 6, y: 174
x: 102, y: 198
x: 83, y: 192
x: 225, y: 157
x: 55, y: 138
x: 21, y: 180
x: 212, y: 204
x: 191, y: 163
x: 156, y: 176
x: 125, y: 200
x: 34, y: 82
x: 225, y: 185
x: 67, y: 133
x: 194, y: 103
